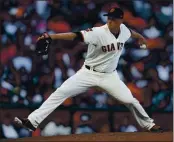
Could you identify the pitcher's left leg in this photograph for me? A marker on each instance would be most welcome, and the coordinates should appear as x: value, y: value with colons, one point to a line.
x: 115, y: 87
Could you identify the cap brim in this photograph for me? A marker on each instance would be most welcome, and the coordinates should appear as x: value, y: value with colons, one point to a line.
x: 105, y: 14
x: 108, y: 14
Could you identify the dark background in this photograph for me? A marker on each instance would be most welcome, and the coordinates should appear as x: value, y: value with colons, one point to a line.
x: 26, y: 80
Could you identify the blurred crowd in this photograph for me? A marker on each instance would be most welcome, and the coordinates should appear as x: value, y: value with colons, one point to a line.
x: 29, y: 79
x: 84, y: 122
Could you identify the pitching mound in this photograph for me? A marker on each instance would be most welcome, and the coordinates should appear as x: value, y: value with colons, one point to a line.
x: 114, y: 137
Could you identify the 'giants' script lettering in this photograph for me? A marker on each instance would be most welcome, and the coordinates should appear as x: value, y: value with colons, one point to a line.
x: 109, y: 48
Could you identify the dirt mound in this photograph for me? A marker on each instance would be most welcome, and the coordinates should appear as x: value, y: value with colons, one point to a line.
x: 114, y: 137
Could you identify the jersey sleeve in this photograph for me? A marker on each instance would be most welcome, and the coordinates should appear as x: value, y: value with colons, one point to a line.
x: 126, y: 31
x: 89, y: 36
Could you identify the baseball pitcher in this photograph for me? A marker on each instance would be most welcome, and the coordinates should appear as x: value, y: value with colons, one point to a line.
x: 105, y: 45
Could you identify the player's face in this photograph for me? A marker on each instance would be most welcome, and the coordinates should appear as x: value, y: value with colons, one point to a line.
x: 114, y: 23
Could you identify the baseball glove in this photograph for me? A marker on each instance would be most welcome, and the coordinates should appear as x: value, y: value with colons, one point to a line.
x: 43, y: 44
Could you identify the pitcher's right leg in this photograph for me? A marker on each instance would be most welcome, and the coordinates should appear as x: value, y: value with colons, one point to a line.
x: 115, y: 87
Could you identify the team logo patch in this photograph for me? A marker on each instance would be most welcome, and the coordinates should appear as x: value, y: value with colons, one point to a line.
x: 112, y: 10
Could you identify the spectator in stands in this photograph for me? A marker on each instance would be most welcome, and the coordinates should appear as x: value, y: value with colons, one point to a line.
x: 7, y: 129
x: 126, y: 127
x: 52, y: 129
x: 86, y: 127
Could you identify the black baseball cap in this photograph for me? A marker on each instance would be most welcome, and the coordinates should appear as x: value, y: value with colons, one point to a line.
x: 115, y: 13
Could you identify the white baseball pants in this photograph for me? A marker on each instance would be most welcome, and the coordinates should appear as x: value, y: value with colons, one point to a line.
x: 85, y: 79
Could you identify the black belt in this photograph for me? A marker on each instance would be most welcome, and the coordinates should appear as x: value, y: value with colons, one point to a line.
x: 89, y: 68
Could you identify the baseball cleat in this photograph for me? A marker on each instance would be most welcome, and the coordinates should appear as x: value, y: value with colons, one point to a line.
x: 25, y: 123
x: 156, y: 128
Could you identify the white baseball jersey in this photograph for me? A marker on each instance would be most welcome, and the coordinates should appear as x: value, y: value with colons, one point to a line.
x: 104, y: 49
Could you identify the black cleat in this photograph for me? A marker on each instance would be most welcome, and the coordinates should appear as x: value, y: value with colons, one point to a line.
x: 156, y: 129
x: 25, y: 123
